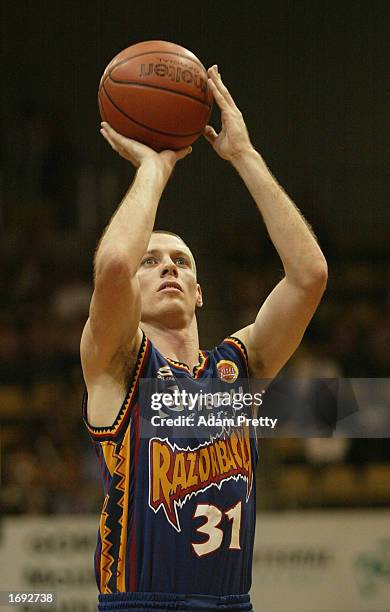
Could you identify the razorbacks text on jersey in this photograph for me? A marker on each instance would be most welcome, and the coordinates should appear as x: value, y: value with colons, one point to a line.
x: 179, y: 510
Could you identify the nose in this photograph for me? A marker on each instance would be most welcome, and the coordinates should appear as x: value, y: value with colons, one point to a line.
x: 169, y: 268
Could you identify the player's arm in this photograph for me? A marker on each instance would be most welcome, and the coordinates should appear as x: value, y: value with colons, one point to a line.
x: 284, y: 316
x: 116, y: 305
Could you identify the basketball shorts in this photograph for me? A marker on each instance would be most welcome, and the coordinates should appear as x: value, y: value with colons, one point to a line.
x: 152, y: 602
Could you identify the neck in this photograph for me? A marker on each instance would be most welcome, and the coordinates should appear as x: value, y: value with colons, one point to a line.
x: 179, y: 344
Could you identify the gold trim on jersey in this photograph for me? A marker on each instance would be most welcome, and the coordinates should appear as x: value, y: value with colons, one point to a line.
x: 106, y: 559
x: 118, y: 463
x: 123, y: 470
x: 110, y: 457
x: 198, y: 369
x: 237, y: 343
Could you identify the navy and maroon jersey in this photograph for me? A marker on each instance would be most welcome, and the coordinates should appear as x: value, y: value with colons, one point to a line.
x: 179, y: 508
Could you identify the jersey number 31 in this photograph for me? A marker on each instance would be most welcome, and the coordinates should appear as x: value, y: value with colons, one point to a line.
x: 211, y: 528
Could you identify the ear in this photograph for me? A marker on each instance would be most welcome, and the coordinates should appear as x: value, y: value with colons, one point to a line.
x: 199, y: 297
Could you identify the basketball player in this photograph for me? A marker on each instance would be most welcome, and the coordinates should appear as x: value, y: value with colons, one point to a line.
x: 177, y: 525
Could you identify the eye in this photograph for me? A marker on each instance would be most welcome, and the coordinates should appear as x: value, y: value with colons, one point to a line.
x: 181, y: 261
x: 149, y: 261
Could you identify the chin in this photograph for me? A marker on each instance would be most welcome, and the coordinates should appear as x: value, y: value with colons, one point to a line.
x: 168, y: 310
x: 172, y: 311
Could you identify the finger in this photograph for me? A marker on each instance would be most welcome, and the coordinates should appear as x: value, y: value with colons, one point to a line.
x: 183, y: 152
x: 218, y: 97
x: 210, y: 134
x: 107, y: 137
x: 114, y: 136
x: 105, y: 133
x: 215, y: 76
x: 108, y: 129
x: 120, y: 140
x: 214, y: 66
x: 217, y: 79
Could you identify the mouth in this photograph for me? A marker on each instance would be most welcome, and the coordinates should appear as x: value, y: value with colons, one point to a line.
x: 170, y: 285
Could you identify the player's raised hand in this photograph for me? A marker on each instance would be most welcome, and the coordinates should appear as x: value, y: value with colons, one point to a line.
x: 233, y: 138
x: 138, y: 153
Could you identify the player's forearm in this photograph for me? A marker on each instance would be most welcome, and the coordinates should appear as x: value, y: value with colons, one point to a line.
x: 128, y: 232
x: 293, y: 239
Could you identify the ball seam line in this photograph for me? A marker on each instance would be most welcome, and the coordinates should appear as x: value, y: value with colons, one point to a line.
x: 126, y: 59
x: 146, y: 126
x: 179, y: 93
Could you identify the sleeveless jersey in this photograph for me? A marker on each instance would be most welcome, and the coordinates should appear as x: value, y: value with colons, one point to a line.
x: 179, y: 508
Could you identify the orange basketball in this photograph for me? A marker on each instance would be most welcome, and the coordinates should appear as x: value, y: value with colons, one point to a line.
x: 156, y: 92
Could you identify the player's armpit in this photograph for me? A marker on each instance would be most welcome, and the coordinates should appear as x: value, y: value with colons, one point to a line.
x: 279, y: 326
x: 114, y: 317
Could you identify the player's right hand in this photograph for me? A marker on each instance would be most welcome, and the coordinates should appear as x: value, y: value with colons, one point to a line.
x: 138, y: 153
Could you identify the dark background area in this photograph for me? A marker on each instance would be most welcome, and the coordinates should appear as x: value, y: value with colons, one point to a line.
x: 310, y: 78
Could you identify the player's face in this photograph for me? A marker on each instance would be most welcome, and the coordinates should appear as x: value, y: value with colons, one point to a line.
x: 167, y: 280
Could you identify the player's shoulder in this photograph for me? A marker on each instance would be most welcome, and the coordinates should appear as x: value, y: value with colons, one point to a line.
x: 231, y: 350
x: 106, y: 388
x: 124, y: 359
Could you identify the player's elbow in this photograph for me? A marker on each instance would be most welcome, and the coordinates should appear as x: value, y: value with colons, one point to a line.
x: 311, y: 277
x: 316, y: 277
x: 111, y: 266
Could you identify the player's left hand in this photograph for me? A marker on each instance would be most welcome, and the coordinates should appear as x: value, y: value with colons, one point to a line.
x: 233, y: 139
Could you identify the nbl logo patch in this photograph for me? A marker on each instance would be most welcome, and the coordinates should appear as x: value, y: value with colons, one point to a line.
x: 227, y: 370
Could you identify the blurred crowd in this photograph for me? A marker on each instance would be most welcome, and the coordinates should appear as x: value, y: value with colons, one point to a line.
x: 47, y: 461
